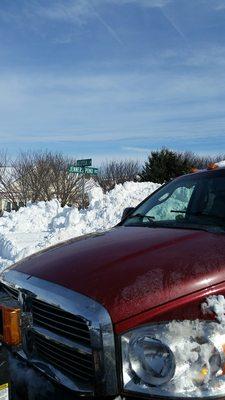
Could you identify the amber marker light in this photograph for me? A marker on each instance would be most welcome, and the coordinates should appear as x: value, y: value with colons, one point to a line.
x: 193, y: 170
x: 212, y: 166
x: 10, y: 325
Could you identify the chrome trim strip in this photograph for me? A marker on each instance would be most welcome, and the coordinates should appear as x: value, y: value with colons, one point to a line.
x: 58, y: 339
x: 97, y: 317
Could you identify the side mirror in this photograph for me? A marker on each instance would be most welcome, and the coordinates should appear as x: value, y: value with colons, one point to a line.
x: 126, y: 212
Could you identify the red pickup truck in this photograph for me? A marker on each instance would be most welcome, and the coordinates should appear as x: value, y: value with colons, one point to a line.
x: 119, y: 312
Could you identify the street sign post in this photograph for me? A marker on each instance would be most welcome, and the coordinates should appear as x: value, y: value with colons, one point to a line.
x: 83, y: 167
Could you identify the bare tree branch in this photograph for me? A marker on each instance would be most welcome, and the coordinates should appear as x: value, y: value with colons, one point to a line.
x: 114, y: 172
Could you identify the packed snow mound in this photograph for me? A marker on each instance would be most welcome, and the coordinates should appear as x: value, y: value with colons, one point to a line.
x: 221, y: 164
x: 46, y: 223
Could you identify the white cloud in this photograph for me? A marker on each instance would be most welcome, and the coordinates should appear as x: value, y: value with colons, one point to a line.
x: 76, y: 12
x: 80, y: 11
x: 73, y: 11
x: 144, y: 3
x: 219, y: 5
x: 103, y: 107
x: 75, y: 137
x: 136, y: 149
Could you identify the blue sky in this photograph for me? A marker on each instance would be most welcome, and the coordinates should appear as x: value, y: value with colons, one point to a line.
x: 112, y: 78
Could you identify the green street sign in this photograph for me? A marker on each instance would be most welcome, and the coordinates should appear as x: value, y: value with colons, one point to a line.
x: 84, y: 163
x: 73, y: 169
x: 91, y: 171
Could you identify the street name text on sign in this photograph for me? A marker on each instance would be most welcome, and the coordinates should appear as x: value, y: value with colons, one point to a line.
x: 83, y: 167
x: 73, y: 169
x: 84, y: 163
x: 91, y: 171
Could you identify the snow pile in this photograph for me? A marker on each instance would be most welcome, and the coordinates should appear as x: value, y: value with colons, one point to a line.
x: 221, y: 164
x: 215, y: 305
x: 44, y: 224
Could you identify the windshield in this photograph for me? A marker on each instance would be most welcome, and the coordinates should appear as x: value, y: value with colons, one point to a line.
x: 195, y: 202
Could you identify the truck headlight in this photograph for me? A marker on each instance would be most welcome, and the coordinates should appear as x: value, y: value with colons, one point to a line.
x: 151, y: 360
x: 178, y: 359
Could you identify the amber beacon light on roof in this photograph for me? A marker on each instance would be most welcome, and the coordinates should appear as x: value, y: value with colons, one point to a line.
x: 212, y: 166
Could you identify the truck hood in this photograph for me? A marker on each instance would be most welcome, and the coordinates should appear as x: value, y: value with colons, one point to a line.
x: 132, y: 269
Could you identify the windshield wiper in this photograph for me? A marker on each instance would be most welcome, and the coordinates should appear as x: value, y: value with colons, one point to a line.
x: 198, y: 214
x: 178, y: 211
x: 201, y: 214
x: 149, y: 217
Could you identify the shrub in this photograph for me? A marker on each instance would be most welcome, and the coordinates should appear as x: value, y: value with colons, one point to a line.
x: 164, y: 165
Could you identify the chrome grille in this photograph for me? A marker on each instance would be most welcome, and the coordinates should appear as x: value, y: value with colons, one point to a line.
x: 75, y: 362
x: 68, y: 360
x: 12, y: 292
x: 71, y: 339
x: 57, y: 320
x: 61, y: 322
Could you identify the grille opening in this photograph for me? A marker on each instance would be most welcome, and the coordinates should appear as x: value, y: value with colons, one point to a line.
x: 68, y: 360
x: 60, y: 322
x: 72, y: 327
x: 12, y: 292
x: 39, y: 304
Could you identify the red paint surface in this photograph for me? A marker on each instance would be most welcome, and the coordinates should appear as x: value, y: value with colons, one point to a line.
x: 137, y: 273
x: 186, y: 307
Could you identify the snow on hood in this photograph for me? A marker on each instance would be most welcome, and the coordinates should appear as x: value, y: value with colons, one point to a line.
x: 215, y: 305
x: 46, y: 223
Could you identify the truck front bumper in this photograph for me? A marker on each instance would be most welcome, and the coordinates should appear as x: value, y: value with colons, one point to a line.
x: 30, y: 384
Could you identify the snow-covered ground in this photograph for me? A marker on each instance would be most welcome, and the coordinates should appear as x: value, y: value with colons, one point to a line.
x: 43, y: 224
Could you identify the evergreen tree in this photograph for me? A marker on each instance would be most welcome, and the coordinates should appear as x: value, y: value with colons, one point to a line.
x: 164, y: 165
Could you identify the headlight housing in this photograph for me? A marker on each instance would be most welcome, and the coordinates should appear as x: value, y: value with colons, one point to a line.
x: 177, y: 359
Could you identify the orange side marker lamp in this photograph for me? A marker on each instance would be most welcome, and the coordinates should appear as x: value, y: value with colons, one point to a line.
x: 10, y: 326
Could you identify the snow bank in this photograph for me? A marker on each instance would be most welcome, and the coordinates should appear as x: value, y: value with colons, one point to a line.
x: 44, y: 224
x: 221, y: 164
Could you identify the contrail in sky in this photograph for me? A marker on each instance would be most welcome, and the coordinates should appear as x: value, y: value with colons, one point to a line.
x: 107, y: 26
x: 175, y: 27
